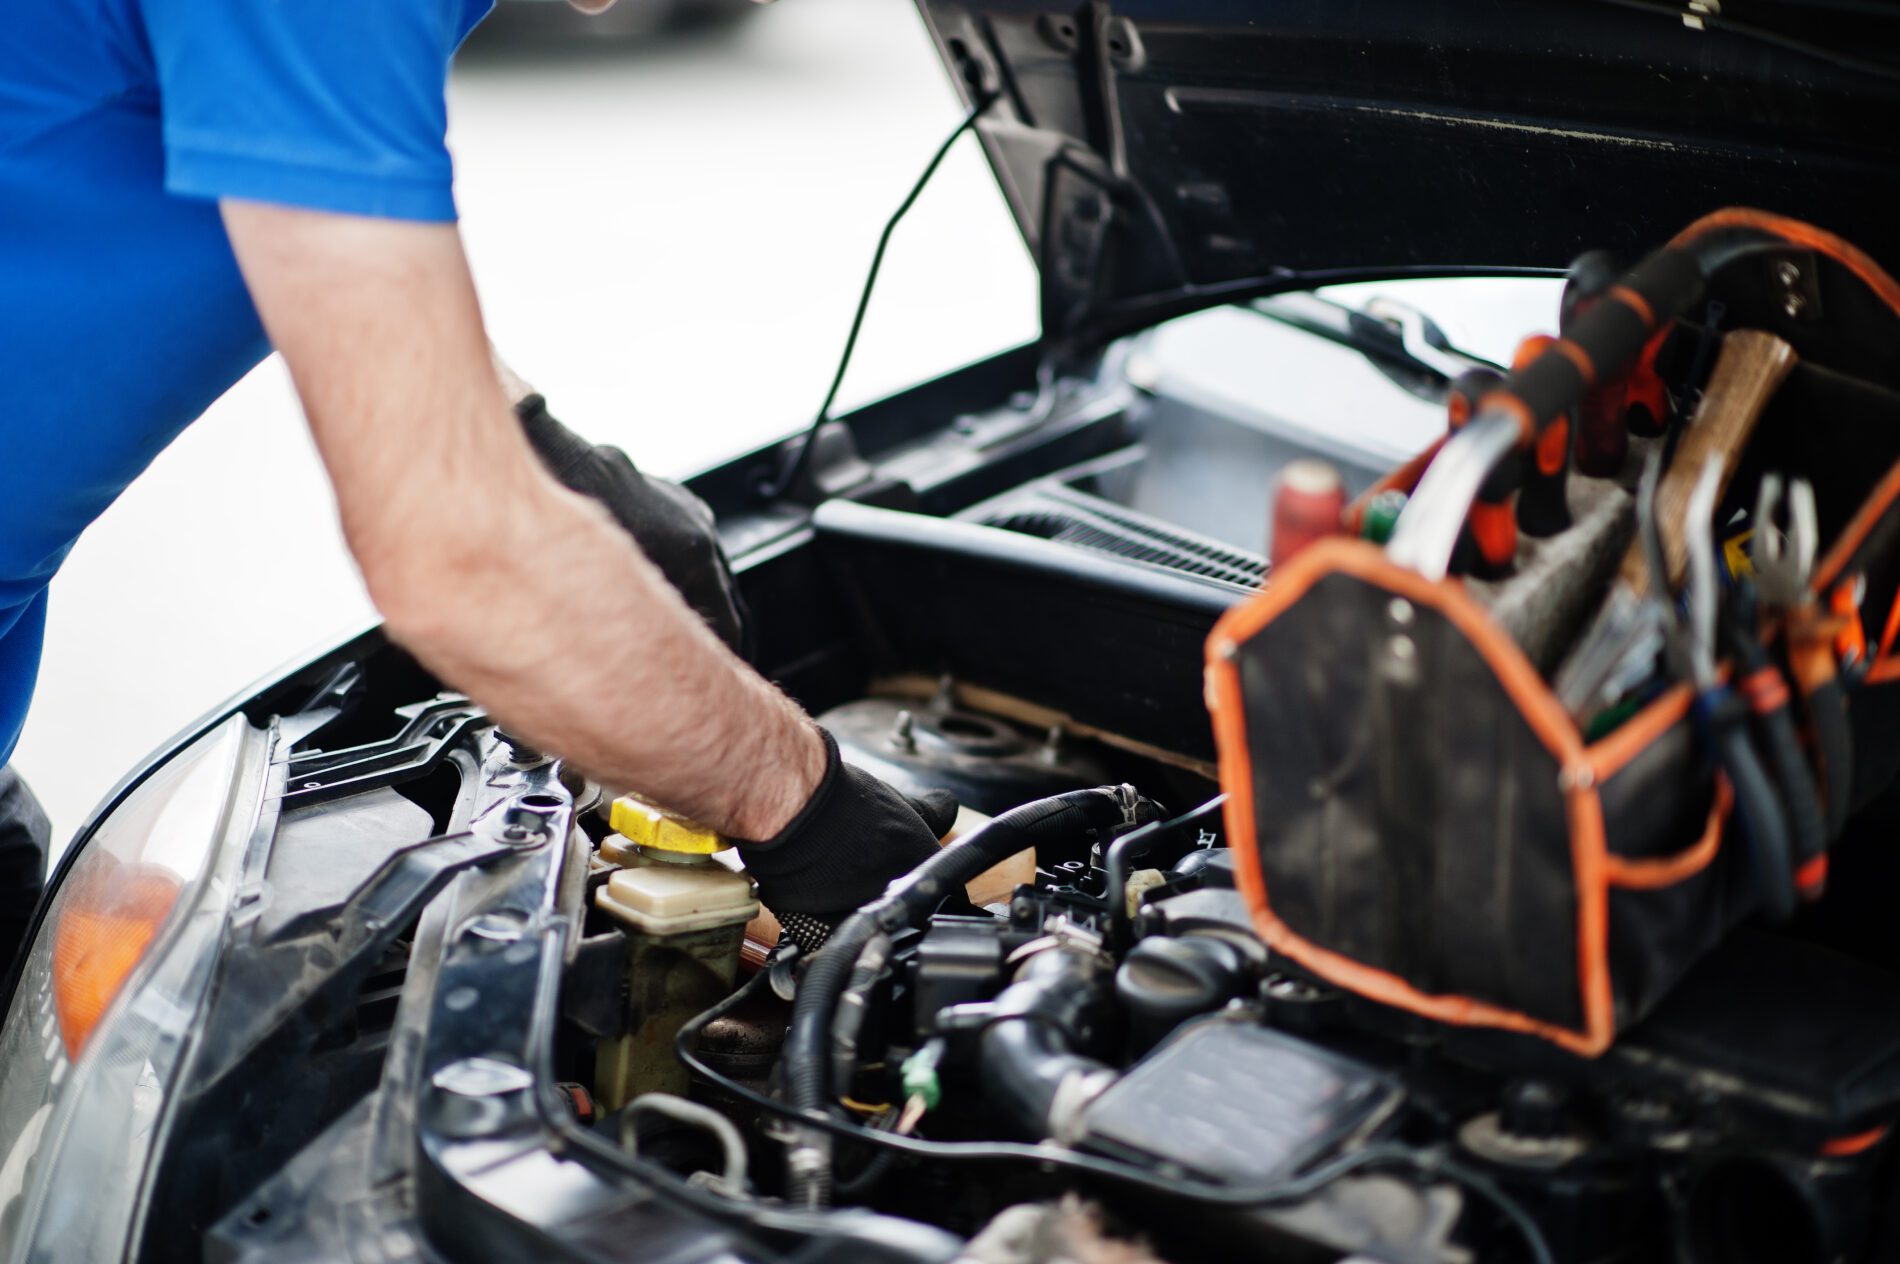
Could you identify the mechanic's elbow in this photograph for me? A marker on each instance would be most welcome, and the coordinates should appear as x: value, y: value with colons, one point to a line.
x: 422, y: 589
x: 413, y: 615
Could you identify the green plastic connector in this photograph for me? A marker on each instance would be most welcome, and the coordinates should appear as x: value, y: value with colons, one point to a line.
x: 920, y: 1075
x: 1382, y: 514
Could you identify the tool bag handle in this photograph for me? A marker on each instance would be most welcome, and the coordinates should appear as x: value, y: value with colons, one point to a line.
x: 1604, y: 341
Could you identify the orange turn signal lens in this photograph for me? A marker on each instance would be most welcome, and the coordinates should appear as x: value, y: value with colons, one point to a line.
x: 132, y: 877
x: 111, y: 913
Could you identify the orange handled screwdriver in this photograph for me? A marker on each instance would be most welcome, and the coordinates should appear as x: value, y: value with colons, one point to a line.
x: 1543, y: 506
x: 1602, y: 439
x: 1488, y: 545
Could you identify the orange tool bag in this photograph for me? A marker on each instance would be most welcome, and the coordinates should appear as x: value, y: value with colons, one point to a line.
x: 1418, y: 819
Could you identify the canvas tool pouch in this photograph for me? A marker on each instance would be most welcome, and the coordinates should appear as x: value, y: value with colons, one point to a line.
x: 1417, y: 819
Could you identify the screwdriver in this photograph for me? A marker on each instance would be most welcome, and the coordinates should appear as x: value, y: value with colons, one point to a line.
x: 1488, y: 543
x: 1813, y: 655
x: 1721, y: 714
x: 1602, y: 438
x: 1645, y: 398
x: 1765, y: 691
x: 1543, y: 506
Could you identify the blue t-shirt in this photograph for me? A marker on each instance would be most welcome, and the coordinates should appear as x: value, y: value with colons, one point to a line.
x: 122, y: 314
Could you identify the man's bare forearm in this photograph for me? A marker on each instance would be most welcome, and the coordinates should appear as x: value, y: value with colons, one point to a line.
x: 509, y: 587
x: 573, y: 639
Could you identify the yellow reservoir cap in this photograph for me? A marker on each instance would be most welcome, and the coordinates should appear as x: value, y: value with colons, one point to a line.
x: 656, y: 829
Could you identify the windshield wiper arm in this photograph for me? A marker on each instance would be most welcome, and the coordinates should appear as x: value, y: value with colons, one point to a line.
x: 1400, y: 340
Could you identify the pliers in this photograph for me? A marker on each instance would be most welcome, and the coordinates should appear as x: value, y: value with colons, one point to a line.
x: 1783, y: 563
x: 1721, y: 714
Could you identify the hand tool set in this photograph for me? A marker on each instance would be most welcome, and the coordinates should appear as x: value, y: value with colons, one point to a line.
x: 1604, y: 672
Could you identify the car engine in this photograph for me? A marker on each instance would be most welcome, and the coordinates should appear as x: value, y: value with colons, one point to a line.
x: 1069, y: 1044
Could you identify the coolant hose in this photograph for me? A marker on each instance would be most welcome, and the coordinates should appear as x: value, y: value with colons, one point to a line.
x: 904, y: 903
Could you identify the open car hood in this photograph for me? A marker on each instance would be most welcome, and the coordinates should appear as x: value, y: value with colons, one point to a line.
x: 1163, y: 155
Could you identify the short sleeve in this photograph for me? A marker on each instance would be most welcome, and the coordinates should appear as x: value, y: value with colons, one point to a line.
x: 334, y: 105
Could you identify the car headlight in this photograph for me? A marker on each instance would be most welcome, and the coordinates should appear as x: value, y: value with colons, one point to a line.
x: 109, y: 996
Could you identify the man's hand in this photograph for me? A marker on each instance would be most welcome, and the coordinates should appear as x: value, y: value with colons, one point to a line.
x: 673, y: 527
x: 520, y: 593
x: 851, y: 840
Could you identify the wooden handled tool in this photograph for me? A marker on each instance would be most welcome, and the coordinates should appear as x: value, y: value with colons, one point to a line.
x: 1751, y: 368
x: 1622, y: 640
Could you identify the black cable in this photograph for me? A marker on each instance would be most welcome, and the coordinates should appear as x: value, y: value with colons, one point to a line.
x: 873, y: 1172
x: 801, y: 457
x: 1291, y: 1190
x: 1116, y: 862
x: 1761, y: 34
x: 1491, y: 1192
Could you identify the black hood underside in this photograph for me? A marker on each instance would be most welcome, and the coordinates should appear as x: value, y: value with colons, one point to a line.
x: 1160, y: 155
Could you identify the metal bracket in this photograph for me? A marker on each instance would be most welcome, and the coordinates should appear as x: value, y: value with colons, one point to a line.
x: 1696, y: 11
x: 1795, y: 281
x: 433, y: 730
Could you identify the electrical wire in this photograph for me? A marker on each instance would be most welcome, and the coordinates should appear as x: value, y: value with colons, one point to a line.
x: 801, y: 457
x: 1291, y: 1190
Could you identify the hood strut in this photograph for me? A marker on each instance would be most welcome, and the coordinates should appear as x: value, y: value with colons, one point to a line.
x: 1093, y: 209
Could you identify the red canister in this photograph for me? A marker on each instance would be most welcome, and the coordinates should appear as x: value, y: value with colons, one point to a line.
x: 1307, y: 505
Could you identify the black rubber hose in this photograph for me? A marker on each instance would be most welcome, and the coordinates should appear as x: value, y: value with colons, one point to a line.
x: 806, y: 1071
x: 923, y: 888
x: 1025, y: 1064
x: 1060, y: 1001
x: 853, y: 1006
x: 1116, y: 863
x: 904, y: 903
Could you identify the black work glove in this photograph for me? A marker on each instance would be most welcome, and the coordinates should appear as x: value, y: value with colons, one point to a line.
x: 24, y: 835
x: 673, y: 527
x: 847, y: 844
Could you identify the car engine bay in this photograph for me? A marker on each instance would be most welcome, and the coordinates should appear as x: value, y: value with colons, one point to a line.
x: 487, y: 1008
x: 1069, y: 1044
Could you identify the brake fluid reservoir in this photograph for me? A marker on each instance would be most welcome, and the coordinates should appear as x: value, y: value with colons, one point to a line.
x: 684, y: 915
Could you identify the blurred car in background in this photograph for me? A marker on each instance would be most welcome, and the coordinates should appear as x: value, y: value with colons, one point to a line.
x: 629, y: 19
